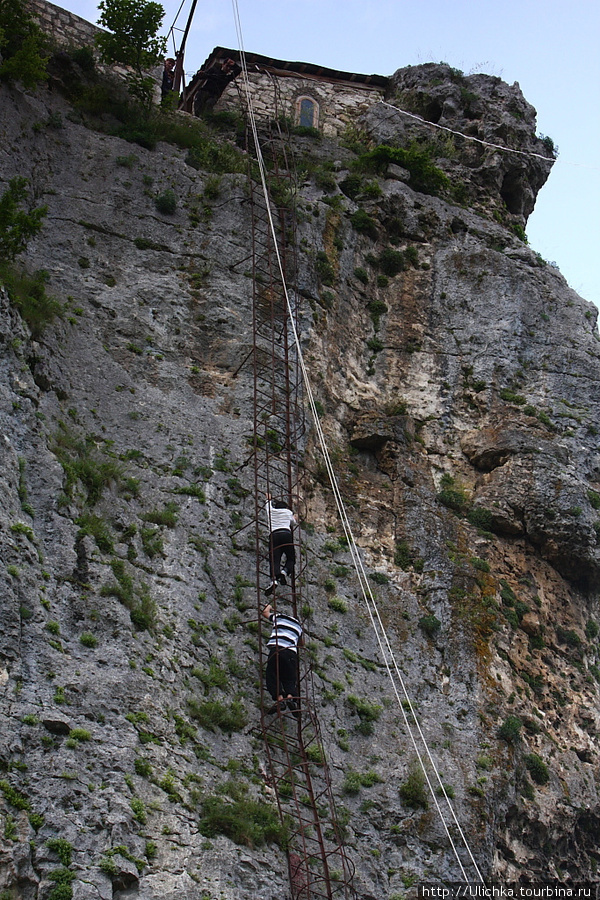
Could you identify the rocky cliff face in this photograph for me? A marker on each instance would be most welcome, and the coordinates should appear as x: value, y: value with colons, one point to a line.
x: 460, y: 383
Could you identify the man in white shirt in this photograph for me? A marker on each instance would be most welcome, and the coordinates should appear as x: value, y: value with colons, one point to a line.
x: 281, y: 543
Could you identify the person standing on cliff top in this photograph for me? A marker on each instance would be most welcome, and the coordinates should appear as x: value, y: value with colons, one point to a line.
x: 168, y: 77
x: 281, y: 542
x: 214, y: 81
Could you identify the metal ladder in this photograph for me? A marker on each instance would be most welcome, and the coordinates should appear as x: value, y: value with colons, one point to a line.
x: 319, y: 866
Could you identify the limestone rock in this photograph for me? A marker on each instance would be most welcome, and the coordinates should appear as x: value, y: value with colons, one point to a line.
x: 458, y: 379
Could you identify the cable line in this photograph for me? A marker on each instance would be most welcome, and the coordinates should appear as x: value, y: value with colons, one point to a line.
x: 467, y: 137
x: 470, y: 137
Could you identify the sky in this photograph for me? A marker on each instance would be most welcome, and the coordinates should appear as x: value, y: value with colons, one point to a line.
x: 550, y: 47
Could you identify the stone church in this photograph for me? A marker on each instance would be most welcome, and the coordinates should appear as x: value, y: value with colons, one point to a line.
x: 308, y: 95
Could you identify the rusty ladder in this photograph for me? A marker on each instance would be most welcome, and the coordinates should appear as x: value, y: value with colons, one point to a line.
x: 318, y: 864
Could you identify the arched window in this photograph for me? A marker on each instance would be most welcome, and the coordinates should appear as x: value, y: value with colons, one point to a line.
x: 307, y: 112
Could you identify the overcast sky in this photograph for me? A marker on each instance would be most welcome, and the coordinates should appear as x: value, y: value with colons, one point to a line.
x: 552, y: 48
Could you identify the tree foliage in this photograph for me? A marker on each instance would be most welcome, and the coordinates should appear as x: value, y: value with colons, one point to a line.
x: 23, y: 49
x: 131, y: 39
x: 16, y: 225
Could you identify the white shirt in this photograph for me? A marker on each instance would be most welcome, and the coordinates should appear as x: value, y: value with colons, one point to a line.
x: 279, y: 518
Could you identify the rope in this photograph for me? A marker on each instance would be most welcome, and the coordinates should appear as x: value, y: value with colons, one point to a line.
x: 380, y: 632
x: 470, y: 137
x: 172, y: 28
x: 467, y: 137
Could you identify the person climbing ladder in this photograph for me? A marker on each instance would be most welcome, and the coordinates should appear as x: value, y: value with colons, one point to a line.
x: 281, y: 673
x: 281, y: 542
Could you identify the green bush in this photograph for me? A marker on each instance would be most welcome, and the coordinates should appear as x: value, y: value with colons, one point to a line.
x: 368, y: 713
x: 166, y: 203
x: 377, y: 309
x: 379, y: 577
x: 567, y: 636
x: 337, y: 604
x: 95, y: 527
x: 84, y: 58
x: 23, y: 46
x: 411, y: 255
x: 511, y: 397
x: 324, y: 268
x: 123, y: 589
x: 425, y: 176
x: 391, y: 262
x: 537, y: 768
x: 354, y: 781
x: 249, y: 823
x: 82, y: 462
x: 213, y: 715
x: 362, y: 275
x: 209, y: 156
x: 452, y: 498
x: 28, y: 294
x: 430, y: 625
x: 192, y: 490
x: 138, y: 807
x: 62, y: 889
x: 13, y: 796
x: 362, y: 222
x: 351, y: 186
x: 166, y: 516
x: 325, y: 180
x: 480, y: 518
x: 17, y: 227
x: 142, y: 609
x: 152, y: 542
x: 371, y: 190
x: 403, y: 555
x: 142, y: 767
x: 143, y: 612
x: 510, y: 730
x: 507, y: 594
x: 80, y: 734
x: 87, y: 639
x: 62, y: 848
x: 594, y: 498
x: 214, y: 676
x: 375, y: 345
x: 413, y: 791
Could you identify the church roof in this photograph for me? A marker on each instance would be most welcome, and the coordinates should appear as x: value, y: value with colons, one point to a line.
x: 302, y: 69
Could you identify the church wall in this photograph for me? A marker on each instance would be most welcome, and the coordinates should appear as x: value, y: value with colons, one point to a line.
x: 339, y: 104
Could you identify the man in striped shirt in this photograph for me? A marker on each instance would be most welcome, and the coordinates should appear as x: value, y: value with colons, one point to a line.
x: 282, y: 664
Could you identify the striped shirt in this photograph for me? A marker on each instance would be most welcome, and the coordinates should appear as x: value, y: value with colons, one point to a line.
x: 279, y: 518
x: 286, y: 633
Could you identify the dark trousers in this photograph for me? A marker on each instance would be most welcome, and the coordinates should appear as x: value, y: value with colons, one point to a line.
x: 282, y: 673
x: 281, y: 543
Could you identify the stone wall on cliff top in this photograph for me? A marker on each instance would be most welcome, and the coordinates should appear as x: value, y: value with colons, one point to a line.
x: 63, y: 26
x: 337, y: 105
x: 460, y: 394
